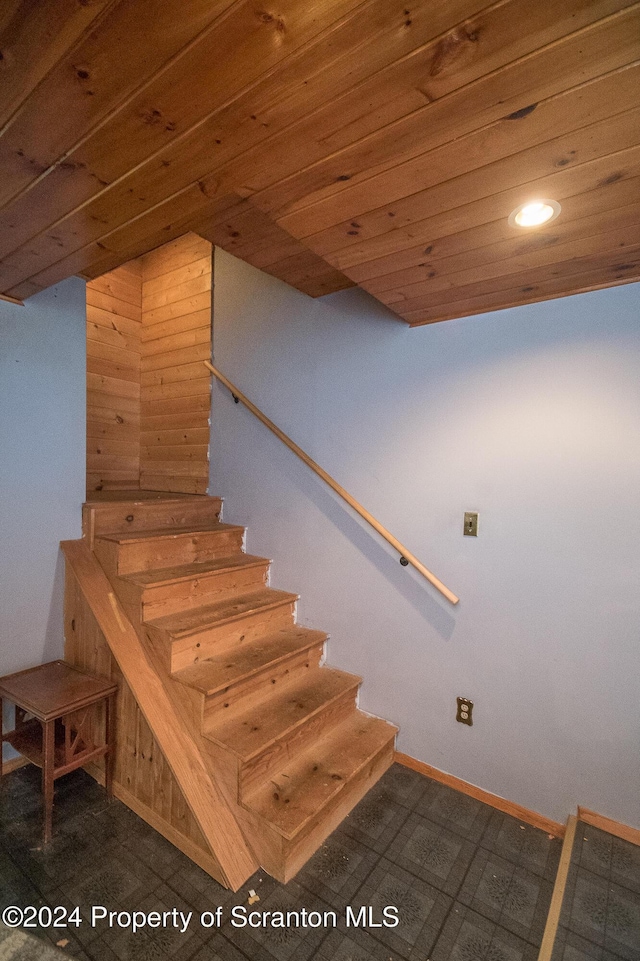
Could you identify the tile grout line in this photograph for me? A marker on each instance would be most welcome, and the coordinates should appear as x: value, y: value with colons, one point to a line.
x: 478, y: 845
x: 454, y: 898
x: 553, y: 917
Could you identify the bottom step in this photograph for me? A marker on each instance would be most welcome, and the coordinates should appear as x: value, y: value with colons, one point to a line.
x: 300, y: 791
x: 307, y: 800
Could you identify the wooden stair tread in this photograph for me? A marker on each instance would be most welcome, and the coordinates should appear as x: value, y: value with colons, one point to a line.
x: 131, y: 537
x: 250, y: 731
x: 216, y: 673
x: 186, y: 572
x: 294, y: 795
x: 144, y: 497
x: 197, y: 619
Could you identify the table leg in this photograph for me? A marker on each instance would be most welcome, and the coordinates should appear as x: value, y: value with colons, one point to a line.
x: 1, y: 741
x: 48, y: 751
x: 109, y: 733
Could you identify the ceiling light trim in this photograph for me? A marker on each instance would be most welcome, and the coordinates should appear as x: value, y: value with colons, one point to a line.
x: 534, y: 213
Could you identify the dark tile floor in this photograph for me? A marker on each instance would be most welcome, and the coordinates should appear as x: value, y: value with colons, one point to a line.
x: 466, y: 882
x: 600, y: 917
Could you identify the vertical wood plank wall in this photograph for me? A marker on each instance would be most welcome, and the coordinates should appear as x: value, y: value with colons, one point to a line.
x: 114, y: 321
x: 142, y: 777
x: 175, y: 385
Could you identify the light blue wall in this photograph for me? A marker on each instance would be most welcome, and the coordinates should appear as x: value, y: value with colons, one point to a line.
x: 42, y: 466
x: 530, y: 416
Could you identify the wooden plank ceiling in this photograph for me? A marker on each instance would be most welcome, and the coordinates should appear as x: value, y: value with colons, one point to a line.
x: 328, y: 142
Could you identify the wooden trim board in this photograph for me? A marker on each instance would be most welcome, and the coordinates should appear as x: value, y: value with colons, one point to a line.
x: 607, y: 824
x: 507, y: 807
x: 553, y: 916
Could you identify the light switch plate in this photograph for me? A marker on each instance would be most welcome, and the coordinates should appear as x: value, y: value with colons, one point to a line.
x: 470, y: 524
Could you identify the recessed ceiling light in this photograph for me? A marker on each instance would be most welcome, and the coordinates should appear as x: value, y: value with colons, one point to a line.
x: 534, y: 213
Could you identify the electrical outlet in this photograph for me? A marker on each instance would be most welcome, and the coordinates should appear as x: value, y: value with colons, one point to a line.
x: 470, y: 524
x: 465, y: 710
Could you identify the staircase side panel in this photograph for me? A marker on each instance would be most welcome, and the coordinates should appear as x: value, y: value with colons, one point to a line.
x: 142, y: 777
x: 172, y: 728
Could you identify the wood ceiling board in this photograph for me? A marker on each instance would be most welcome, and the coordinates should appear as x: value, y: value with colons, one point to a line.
x: 153, y: 234
x: 249, y: 234
x: 33, y: 37
x: 120, y: 204
x: 310, y: 274
x: 596, y: 176
x: 166, y: 222
x: 244, y: 48
x: 23, y: 291
x: 358, y: 150
x: 457, y: 180
x: 446, y: 218
x: 608, y: 275
x: 243, y: 230
x: 337, y: 86
x: 280, y: 107
x: 74, y: 245
x: 412, y: 263
x: 140, y: 194
x: 533, y: 249
x: 83, y: 90
x: 164, y: 113
x: 556, y: 133
x: 511, y: 271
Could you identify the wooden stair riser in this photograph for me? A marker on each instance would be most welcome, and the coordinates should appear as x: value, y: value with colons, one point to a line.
x: 112, y: 517
x: 157, y: 552
x: 296, y: 853
x: 261, y: 766
x: 202, y: 589
x: 185, y: 651
x: 248, y: 690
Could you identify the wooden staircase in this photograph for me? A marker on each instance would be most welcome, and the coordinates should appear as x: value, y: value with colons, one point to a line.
x: 279, y: 731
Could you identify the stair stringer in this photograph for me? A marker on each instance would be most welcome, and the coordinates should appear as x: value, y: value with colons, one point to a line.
x: 142, y: 778
x: 170, y: 718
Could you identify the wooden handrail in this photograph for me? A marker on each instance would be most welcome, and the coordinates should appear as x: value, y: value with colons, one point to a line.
x: 405, y: 555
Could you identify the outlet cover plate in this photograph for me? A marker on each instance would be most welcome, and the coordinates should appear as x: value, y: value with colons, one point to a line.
x: 465, y: 711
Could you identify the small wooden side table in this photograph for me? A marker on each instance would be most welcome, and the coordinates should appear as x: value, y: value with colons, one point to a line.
x: 54, y: 705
